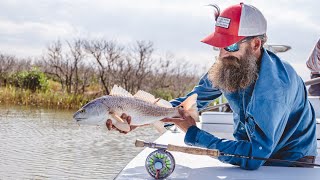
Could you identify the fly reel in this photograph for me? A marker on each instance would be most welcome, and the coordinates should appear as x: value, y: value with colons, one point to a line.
x: 160, y: 164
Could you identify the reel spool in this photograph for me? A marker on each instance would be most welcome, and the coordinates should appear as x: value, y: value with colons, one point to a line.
x: 160, y: 164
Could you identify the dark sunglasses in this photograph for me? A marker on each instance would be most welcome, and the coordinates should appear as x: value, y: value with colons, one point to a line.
x: 235, y: 47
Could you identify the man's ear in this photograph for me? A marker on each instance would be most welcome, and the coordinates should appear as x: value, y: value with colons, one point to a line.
x: 256, y: 44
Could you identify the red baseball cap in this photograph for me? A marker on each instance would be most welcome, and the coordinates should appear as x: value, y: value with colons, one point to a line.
x: 235, y: 23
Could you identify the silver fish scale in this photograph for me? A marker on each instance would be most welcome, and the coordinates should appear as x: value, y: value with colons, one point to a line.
x: 125, y: 104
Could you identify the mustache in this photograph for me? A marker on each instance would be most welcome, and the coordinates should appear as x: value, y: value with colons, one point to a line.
x: 230, y: 61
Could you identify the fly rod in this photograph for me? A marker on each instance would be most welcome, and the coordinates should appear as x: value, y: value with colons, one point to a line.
x: 213, y: 152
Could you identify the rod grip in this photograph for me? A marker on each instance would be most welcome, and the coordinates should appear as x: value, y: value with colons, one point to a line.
x: 192, y: 150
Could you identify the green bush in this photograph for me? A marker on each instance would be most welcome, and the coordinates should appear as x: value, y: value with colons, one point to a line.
x: 32, y: 80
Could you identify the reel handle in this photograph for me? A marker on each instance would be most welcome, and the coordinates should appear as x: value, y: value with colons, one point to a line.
x: 170, y: 147
x: 140, y: 143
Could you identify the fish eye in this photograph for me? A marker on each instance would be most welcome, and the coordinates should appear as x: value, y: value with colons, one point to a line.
x: 82, y: 110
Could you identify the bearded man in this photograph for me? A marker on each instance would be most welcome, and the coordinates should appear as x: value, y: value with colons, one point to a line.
x: 272, y: 115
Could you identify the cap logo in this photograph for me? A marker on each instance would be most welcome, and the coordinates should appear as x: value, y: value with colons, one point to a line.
x: 223, y: 22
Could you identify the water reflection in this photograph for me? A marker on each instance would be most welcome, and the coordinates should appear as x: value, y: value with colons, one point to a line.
x: 40, y: 144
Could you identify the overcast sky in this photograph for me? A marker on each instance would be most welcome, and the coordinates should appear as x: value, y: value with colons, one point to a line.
x: 176, y: 26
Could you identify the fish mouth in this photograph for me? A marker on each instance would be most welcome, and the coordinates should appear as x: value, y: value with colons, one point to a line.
x: 79, y: 119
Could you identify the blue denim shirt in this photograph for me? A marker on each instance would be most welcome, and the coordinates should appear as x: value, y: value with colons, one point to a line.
x: 272, y: 118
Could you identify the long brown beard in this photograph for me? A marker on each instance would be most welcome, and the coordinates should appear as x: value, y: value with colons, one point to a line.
x: 232, y: 74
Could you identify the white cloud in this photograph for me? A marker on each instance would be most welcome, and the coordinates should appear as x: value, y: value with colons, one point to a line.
x: 21, y: 51
x: 173, y: 25
x: 46, y: 30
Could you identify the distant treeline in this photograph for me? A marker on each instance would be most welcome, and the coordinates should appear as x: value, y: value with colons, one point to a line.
x: 81, y: 67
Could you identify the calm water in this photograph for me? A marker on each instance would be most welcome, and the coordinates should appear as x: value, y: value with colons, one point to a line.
x: 47, y: 144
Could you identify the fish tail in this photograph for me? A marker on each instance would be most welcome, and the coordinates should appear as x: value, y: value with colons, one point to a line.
x: 190, y: 106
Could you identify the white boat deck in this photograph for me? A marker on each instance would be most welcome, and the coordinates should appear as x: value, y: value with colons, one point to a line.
x: 204, y: 167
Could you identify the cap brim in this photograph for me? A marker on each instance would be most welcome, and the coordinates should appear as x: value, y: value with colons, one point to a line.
x: 221, y: 40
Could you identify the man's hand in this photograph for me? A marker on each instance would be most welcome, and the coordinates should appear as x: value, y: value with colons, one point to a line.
x: 183, y: 122
x: 125, y: 118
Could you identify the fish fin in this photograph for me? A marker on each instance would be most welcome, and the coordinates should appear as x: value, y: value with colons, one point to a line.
x: 119, y: 91
x: 163, y: 103
x: 122, y: 126
x: 190, y: 106
x: 116, y: 117
x: 145, y: 96
x: 159, y: 126
x: 120, y: 123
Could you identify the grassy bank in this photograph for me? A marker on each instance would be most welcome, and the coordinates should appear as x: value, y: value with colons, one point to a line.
x: 48, y: 99
x: 53, y: 98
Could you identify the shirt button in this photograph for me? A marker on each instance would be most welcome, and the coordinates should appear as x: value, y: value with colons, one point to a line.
x: 241, y: 128
x: 260, y: 147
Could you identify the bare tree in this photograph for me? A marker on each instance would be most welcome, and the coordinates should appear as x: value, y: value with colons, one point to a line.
x: 96, y: 49
x: 184, y: 77
x: 162, y: 70
x: 107, y: 55
x: 23, y: 64
x: 53, y: 59
x: 86, y: 63
x: 86, y: 77
x: 114, y: 60
x: 7, y: 64
x: 144, y: 61
x: 77, y: 55
x: 138, y: 65
x: 171, y: 77
x: 61, y: 65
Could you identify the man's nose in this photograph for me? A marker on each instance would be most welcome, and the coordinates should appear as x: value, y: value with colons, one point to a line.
x: 223, y: 53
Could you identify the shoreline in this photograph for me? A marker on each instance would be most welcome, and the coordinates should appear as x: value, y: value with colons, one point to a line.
x: 48, y: 99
